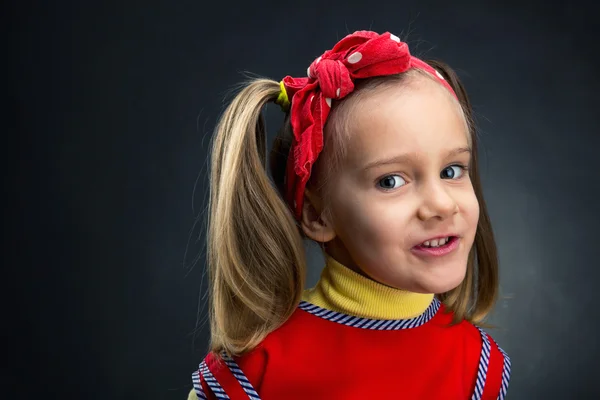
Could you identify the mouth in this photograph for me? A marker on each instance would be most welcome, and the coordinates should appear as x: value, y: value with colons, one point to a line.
x: 437, y: 247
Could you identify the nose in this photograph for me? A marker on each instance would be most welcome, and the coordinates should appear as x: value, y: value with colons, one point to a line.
x: 437, y: 202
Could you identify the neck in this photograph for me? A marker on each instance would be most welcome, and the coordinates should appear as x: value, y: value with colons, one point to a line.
x: 343, y: 290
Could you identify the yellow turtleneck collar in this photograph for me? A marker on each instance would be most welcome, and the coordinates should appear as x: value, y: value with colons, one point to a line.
x: 343, y: 290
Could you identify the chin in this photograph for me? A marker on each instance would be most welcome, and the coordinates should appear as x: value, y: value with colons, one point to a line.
x: 443, y: 284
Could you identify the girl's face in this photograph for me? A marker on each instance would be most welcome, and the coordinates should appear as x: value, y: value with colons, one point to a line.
x: 401, y: 183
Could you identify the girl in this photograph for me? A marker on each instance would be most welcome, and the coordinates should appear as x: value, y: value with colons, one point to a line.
x: 377, y: 162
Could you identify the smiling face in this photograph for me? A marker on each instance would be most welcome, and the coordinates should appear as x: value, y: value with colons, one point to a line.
x: 403, y: 181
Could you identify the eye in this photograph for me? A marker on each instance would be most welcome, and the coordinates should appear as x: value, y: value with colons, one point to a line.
x: 453, y: 172
x: 391, y: 182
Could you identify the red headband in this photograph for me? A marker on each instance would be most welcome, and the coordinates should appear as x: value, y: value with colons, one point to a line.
x: 363, y: 54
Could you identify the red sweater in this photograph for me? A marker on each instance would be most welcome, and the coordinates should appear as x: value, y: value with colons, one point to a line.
x: 323, y: 354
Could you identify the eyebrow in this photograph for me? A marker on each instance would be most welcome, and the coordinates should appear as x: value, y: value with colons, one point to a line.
x: 403, y: 158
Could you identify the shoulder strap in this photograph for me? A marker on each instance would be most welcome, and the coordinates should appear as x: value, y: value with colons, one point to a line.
x: 213, y: 384
x: 198, y: 388
x: 224, y: 378
x: 493, y: 374
x: 506, y: 365
x: 237, y: 372
x: 482, y: 369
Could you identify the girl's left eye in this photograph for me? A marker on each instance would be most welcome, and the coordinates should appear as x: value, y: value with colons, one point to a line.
x: 453, y: 172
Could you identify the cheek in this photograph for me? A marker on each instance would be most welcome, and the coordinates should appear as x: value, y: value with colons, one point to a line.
x: 367, y: 222
x: 470, y: 209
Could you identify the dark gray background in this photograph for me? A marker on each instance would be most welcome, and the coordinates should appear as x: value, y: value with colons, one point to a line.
x: 110, y: 111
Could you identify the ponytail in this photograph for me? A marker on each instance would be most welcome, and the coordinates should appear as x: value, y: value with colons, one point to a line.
x: 256, y: 258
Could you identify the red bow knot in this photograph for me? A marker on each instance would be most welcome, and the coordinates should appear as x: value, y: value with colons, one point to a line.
x: 333, y: 76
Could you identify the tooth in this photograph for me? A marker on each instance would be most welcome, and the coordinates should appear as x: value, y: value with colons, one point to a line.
x: 426, y: 243
x: 443, y: 241
x: 434, y: 243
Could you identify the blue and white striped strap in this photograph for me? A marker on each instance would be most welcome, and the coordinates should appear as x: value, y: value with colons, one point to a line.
x: 198, y: 386
x: 484, y: 362
x: 210, y: 380
x: 505, y: 374
x: 241, y: 378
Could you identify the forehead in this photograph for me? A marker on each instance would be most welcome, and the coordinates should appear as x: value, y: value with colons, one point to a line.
x: 419, y: 117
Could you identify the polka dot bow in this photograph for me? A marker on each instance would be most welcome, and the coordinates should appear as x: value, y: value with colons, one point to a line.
x: 331, y: 76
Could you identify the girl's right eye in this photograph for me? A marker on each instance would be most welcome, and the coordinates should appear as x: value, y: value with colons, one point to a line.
x: 391, y: 182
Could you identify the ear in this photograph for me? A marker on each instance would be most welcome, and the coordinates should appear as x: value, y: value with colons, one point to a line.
x: 313, y: 224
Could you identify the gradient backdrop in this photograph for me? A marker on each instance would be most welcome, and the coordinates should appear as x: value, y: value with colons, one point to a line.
x: 111, y: 107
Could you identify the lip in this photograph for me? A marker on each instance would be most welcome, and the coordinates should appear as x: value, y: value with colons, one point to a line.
x: 429, y: 252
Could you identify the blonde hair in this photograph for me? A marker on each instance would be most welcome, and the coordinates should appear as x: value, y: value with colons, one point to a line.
x: 255, y: 253
x: 256, y: 257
